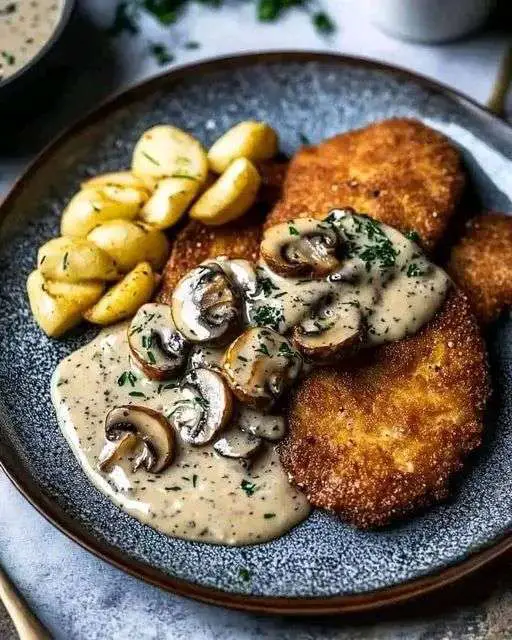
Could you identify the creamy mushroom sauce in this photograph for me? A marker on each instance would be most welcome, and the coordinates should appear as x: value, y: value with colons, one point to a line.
x: 385, y: 275
x: 25, y: 27
x: 202, y: 495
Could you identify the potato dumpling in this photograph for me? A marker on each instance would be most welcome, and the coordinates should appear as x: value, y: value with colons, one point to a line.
x: 84, y: 294
x: 129, y: 243
x: 231, y: 196
x: 124, y: 298
x: 90, y: 207
x: 75, y: 260
x: 116, y: 179
x: 169, y: 202
x: 56, y: 314
x: 252, y: 140
x: 167, y: 152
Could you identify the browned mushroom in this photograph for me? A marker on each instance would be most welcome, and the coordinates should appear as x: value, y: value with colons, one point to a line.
x: 141, y: 433
x: 259, y: 365
x: 205, y: 408
x: 158, y: 348
x: 302, y: 247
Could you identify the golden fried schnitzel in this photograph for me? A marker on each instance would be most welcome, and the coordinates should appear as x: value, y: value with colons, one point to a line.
x: 398, y: 171
x: 381, y: 435
x: 481, y: 263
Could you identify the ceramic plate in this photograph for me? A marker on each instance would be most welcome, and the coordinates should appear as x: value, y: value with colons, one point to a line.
x: 322, y: 565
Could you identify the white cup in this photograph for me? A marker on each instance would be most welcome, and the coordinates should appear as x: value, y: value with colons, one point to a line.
x: 428, y: 20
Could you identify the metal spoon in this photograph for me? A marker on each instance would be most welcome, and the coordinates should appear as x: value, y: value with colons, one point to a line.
x: 27, y: 625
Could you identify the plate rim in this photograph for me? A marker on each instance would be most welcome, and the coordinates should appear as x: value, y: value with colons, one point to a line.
x: 27, y: 485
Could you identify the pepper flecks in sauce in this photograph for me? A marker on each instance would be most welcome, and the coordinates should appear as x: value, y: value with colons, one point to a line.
x: 380, y: 287
x: 25, y: 27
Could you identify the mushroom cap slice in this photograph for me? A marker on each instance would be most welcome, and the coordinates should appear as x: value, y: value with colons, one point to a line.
x: 238, y: 445
x: 205, y: 409
x: 155, y: 442
x: 301, y: 247
x: 259, y: 365
x: 334, y: 328
x: 155, y: 343
x: 205, y: 304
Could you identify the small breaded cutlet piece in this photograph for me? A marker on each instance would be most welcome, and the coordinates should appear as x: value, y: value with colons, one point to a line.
x: 481, y: 264
x: 238, y: 239
x: 381, y: 436
x: 398, y: 171
x: 197, y: 242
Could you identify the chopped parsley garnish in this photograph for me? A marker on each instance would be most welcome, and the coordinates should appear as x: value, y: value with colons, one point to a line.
x: 412, y: 235
x: 192, y: 44
x: 248, y: 487
x: 137, y: 394
x: 151, y: 357
x: 161, y: 54
x: 304, y: 139
x: 245, y: 574
x: 323, y: 23
x: 147, y: 341
x: 8, y: 57
x: 242, y: 359
x: 286, y: 351
x: 150, y: 158
x: 267, y: 516
x: 65, y: 261
x: 266, y: 286
x: 194, y: 480
x: 263, y: 349
x: 293, y: 230
x: 127, y: 376
x: 413, y: 270
x: 268, y: 316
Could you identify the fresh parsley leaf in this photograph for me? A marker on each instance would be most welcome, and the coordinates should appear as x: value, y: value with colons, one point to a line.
x: 323, y: 23
x: 248, y: 487
x: 161, y: 54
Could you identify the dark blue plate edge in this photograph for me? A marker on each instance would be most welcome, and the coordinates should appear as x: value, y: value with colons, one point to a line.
x: 28, y: 486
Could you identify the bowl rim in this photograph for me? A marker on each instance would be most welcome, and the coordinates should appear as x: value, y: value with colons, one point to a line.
x: 27, y: 485
x: 67, y: 9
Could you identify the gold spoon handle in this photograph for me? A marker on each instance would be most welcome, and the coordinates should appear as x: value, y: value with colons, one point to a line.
x: 27, y: 625
x: 496, y: 102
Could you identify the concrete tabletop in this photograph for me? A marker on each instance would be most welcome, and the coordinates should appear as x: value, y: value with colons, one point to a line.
x: 80, y: 597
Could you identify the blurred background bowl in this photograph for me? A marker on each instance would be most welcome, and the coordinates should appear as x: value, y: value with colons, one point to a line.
x: 14, y: 88
x: 429, y: 21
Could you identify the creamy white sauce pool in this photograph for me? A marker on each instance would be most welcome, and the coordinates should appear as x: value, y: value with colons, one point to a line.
x: 384, y: 276
x: 201, y: 496
x: 25, y: 27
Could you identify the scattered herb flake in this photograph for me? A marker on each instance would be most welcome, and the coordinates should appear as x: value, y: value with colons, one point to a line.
x: 161, y: 54
x: 248, y: 487
x: 245, y: 574
x: 267, y: 516
x: 150, y: 158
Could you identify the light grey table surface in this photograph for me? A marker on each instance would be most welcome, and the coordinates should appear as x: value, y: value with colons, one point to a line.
x: 75, y: 594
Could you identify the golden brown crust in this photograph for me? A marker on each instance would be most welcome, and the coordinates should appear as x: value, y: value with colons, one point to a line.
x: 380, y: 436
x: 239, y: 239
x: 481, y: 263
x: 398, y: 171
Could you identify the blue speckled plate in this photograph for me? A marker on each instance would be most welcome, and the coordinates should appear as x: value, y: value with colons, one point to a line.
x: 322, y: 565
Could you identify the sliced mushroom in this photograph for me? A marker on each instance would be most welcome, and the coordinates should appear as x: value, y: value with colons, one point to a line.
x: 260, y: 424
x: 259, y: 365
x: 205, y: 409
x: 238, y: 445
x: 141, y: 432
x: 302, y: 247
x: 205, y: 304
x: 333, y: 329
x: 157, y: 346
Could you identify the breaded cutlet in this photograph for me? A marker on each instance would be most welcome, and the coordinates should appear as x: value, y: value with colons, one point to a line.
x: 239, y: 239
x: 481, y: 264
x: 398, y: 171
x: 381, y: 435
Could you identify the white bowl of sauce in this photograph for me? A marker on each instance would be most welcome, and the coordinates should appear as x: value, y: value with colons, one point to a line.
x: 28, y: 30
